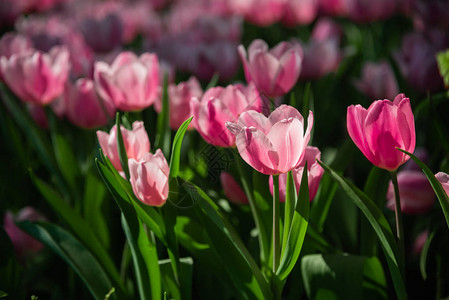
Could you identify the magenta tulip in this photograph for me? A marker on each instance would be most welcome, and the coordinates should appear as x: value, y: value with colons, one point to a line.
x: 24, y: 244
x: 275, y: 71
x: 415, y: 191
x: 220, y: 105
x: 149, y: 178
x: 82, y: 106
x: 380, y: 129
x: 272, y: 145
x: 314, y: 174
x: 37, y: 77
x: 232, y: 189
x: 378, y: 81
x: 136, y: 143
x: 130, y: 82
x: 443, y: 178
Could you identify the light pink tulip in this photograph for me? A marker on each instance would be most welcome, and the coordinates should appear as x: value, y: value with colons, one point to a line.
x: 378, y: 81
x: 12, y: 43
x: 272, y: 145
x: 24, y: 244
x: 443, y: 178
x: 232, y: 189
x: 130, y: 82
x: 149, y: 178
x: 416, y: 193
x: 299, y: 12
x: 37, y: 77
x: 275, y: 71
x: 220, y: 105
x: 314, y: 174
x: 179, y: 97
x: 136, y: 143
x: 378, y: 130
x: 82, y: 106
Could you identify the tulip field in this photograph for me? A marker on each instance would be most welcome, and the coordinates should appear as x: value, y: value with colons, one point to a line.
x: 224, y: 149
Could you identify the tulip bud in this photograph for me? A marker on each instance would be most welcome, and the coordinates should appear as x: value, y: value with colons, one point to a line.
x: 232, y: 189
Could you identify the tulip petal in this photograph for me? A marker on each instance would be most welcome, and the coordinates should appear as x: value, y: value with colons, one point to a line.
x: 255, y: 119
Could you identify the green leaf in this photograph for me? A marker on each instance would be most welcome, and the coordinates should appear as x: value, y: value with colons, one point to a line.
x: 176, y: 148
x: 233, y: 254
x: 170, y: 281
x: 436, y: 185
x: 297, y: 232
x: 424, y: 254
x: 163, y: 137
x: 380, y: 226
x: 79, y: 226
x: 74, y: 253
x: 3, y: 294
x: 213, y: 81
x: 121, y: 146
x: 348, y: 277
x: 443, y: 66
x: 291, y: 198
x: 322, y: 202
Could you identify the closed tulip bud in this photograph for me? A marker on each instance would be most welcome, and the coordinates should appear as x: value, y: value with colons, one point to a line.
x: 272, y: 145
x: 275, y: 71
x: 378, y: 81
x: 380, y: 129
x: 130, y: 83
x: 314, y: 174
x: 35, y: 76
x: 220, y: 105
x: 136, y: 143
x: 83, y: 107
x: 443, y: 178
x: 149, y: 178
x: 24, y: 244
x: 415, y: 191
x: 232, y: 189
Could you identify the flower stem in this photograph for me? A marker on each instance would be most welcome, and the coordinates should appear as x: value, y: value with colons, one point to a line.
x: 276, y: 237
x: 398, y: 214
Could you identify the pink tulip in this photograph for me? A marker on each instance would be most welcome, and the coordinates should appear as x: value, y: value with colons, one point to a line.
x: 37, y: 77
x: 179, y: 97
x: 232, y: 189
x: 130, y: 82
x: 259, y: 12
x: 443, y: 178
x: 275, y: 71
x: 299, y: 12
x: 378, y: 130
x: 24, y: 244
x: 415, y: 192
x: 82, y: 106
x: 378, y: 81
x: 149, y: 178
x: 314, y: 174
x: 136, y: 143
x: 102, y: 33
x: 272, y: 145
x: 12, y: 43
x: 364, y: 11
x: 220, y: 105
x: 333, y: 7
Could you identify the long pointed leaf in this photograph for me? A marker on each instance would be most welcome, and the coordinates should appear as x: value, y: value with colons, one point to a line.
x: 176, y: 148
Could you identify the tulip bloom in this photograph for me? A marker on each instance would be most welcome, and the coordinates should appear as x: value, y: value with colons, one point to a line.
x: 130, y: 82
x: 220, y: 105
x: 136, y: 143
x: 149, y: 178
x: 272, y: 145
x: 378, y: 81
x: 314, y: 174
x: 102, y: 33
x: 416, y: 193
x: 443, y: 178
x: 299, y: 12
x: 378, y: 130
x: 35, y: 76
x: 275, y: 71
x: 232, y: 189
x: 83, y: 107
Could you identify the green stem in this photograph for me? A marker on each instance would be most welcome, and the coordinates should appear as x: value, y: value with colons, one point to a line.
x: 398, y: 214
x: 276, y: 218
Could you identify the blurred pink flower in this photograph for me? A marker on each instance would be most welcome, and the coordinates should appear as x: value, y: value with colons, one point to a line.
x: 102, y: 34
x: 24, y: 244
x: 314, y: 174
x: 38, y: 115
x: 332, y: 7
x: 275, y: 71
x: 232, y: 189
x: 258, y: 12
x: 299, y: 12
x: 378, y: 130
x: 272, y: 145
x: 37, y: 77
x: 430, y: 13
x: 136, y: 141
x: 378, y: 81
x: 416, y: 193
x: 13, y: 43
x: 364, y: 11
x: 420, y: 241
x: 219, y: 105
x: 149, y: 178
x: 130, y: 82
x: 82, y: 106
x: 443, y: 178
